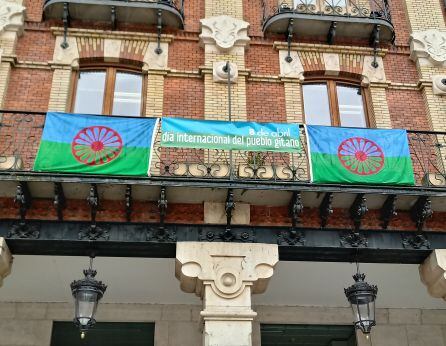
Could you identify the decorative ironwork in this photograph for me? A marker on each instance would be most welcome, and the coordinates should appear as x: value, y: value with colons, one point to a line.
x: 161, y: 234
x: 421, y: 211
x: 113, y: 17
x: 94, y: 232
x: 22, y: 230
x: 358, y: 210
x: 353, y: 239
x: 66, y: 24
x: 59, y: 200
x: 93, y: 201
x: 289, y: 38
x: 374, y: 42
x: 331, y: 33
x: 159, y: 28
x: 229, y: 208
x: 325, y: 209
x: 291, y: 237
x: 415, y: 241
x: 245, y: 236
x: 23, y: 199
x: 162, y: 206
x: 388, y: 210
x: 296, y: 208
x: 128, y: 203
x: 20, y: 134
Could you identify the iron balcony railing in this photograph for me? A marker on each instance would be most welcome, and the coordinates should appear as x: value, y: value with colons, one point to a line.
x: 376, y: 9
x: 20, y: 134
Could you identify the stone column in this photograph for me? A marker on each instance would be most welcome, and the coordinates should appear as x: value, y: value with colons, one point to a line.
x: 433, y: 273
x: 224, y: 276
x: 12, y: 15
x: 5, y: 260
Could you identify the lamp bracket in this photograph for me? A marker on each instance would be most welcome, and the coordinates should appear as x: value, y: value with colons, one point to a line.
x: 374, y: 42
x: 353, y: 239
x: 159, y: 28
x: 325, y: 209
x: 289, y: 38
x: 59, y: 200
x: 388, y: 211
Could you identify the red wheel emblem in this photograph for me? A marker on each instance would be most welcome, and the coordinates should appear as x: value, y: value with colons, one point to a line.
x: 96, y: 145
x: 361, y: 156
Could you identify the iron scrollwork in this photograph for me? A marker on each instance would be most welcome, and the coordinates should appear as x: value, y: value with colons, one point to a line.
x: 246, y: 236
x: 415, y: 241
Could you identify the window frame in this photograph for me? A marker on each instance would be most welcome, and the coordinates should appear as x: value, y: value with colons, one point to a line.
x: 333, y: 97
x: 109, y: 88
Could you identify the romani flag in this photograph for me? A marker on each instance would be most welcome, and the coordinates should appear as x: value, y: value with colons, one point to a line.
x: 96, y: 144
x: 359, y: 156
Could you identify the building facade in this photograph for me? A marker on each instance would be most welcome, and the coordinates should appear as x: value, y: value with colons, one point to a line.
x: 217, y: 247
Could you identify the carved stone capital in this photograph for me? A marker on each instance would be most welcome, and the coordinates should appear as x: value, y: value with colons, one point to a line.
x: 5, y: 260
x: 428, y: 47
x: 433, y: 273
x: 225, y: 32
x: 12, y: 16
x: 439, y: 85
x: 227, y: 268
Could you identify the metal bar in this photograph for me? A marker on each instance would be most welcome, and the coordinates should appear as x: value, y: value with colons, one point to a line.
x: 130, y: 240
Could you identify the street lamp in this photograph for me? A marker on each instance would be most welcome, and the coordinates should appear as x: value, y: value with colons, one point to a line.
x: 86, y: 293
x: 362, y: 296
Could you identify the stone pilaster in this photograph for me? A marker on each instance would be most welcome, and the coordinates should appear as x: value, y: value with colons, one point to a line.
x: 224, y: 276
x: 5, y: 260
x: 433, y: 273
x: 12, y: 15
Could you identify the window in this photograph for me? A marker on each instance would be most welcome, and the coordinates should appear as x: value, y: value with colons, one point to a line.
x: 334, y: 103
x: 305, y: 335
x: 108, y: 91
x: 104, y: 333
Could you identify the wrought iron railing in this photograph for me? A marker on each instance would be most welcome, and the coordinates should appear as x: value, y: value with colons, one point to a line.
x: 177, y: 4
x: 376, y: 9
x: 20, y: 134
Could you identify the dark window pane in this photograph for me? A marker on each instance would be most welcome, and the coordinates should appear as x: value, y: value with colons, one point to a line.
x: 127, y: 94
x: 316, y: 104
x: 351, y: 107
x: 90, y: 92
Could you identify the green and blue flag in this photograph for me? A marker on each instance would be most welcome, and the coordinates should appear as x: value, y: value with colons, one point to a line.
x: 359, y: 156
x: 95, y: 144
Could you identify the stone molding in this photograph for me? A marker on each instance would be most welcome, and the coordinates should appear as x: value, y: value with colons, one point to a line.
x: 227, y: 268
x: 5, y: 260
x: 12, y: 16
x: 225, y: 32
x: 439, y: 85
x: 428, y: 47
x: 220, y: 76
x: 433, y: 273
x: 323, y: 48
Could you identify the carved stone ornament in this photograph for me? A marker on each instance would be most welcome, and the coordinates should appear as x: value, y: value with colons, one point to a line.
x: 439, y: 85
x: 332, y: 64
x: 11, y: 16
x: 220, y: 76
x: 433, y: 273
x: 227, y: 269
x: 5, y: 260
x: 429, y: 47
x: 372, y: 74
x: 225, y: 32
x: 292, y: 69
x: 156, y: 61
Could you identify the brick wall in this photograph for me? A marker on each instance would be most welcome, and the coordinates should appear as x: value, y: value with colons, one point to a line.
x: 183, y: 97
x: 407, y: 109
x: 269, y: 108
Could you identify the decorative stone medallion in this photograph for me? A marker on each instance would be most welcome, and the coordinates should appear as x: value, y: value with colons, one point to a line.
x: 224, y: 31
x: 429, y: 47
x: 221, y: 76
